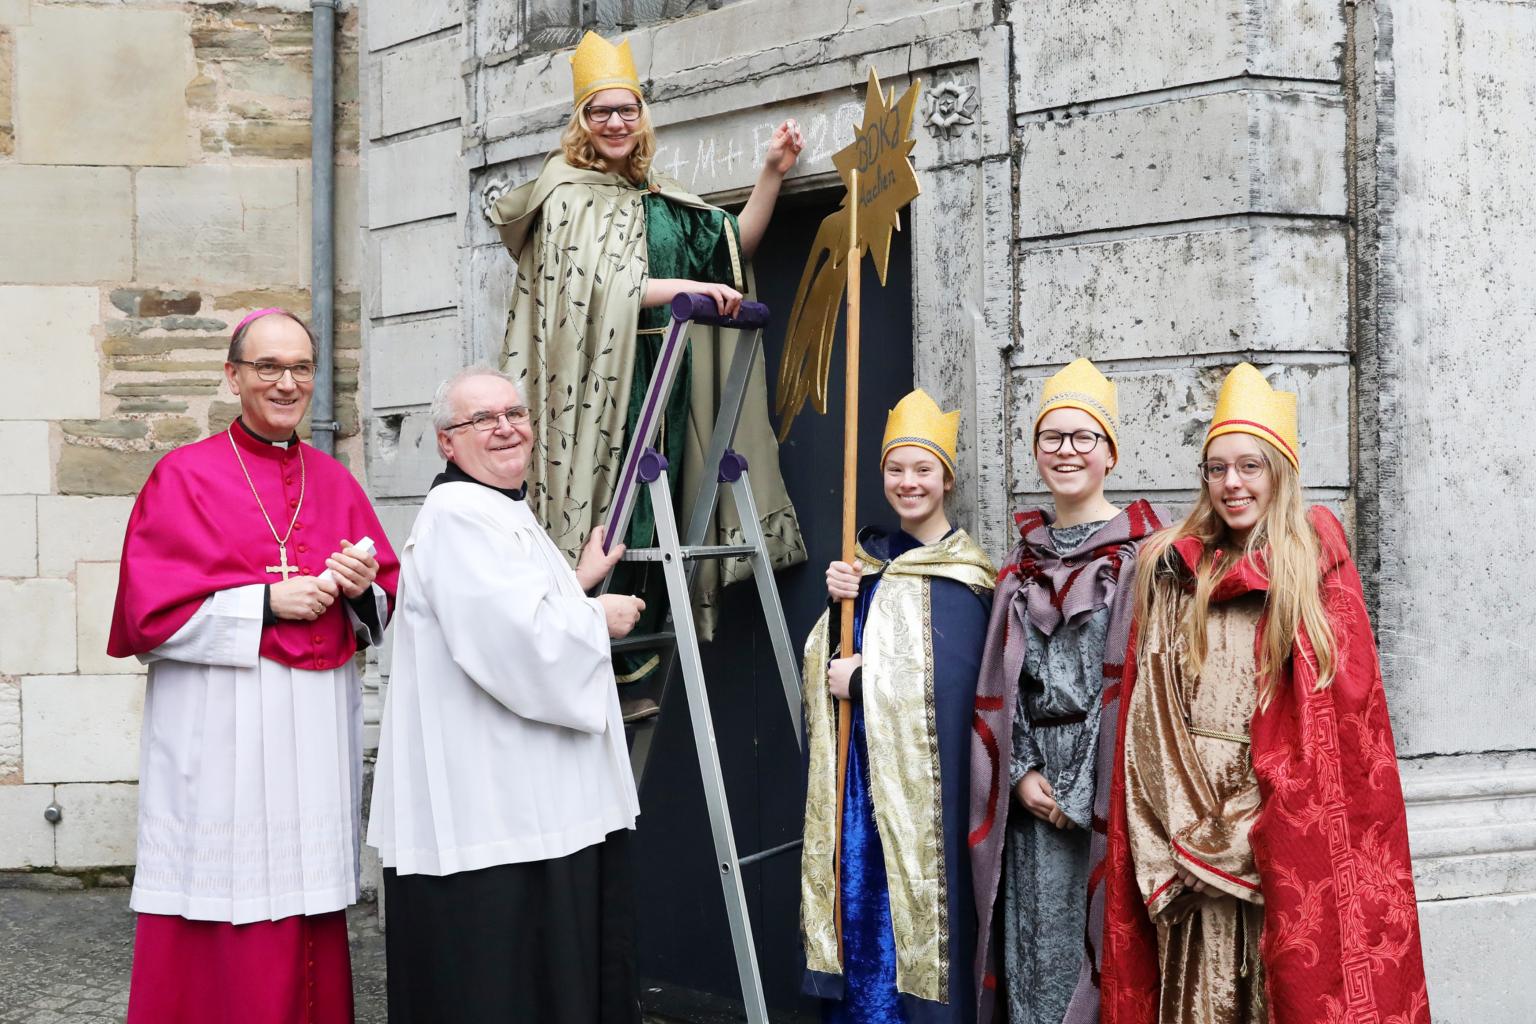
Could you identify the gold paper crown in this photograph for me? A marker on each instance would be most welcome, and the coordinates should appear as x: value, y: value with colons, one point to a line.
x: 1080, y: 385
x: 917, y: 420
x: 1248, y: 405
x: 597, y: 64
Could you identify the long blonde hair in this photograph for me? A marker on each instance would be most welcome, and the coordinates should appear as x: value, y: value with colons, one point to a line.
x: 576, y: 146
x: 1292, y: 552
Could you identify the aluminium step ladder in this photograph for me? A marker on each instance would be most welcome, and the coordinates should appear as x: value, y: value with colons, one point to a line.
x: 680, y: 556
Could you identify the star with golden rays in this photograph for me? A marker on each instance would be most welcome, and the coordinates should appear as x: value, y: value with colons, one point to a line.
x: 881, y: 154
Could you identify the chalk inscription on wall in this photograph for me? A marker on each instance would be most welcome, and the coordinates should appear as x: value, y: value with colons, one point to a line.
x: 730, y: 152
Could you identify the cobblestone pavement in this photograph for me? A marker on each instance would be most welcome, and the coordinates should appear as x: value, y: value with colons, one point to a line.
x: 65, y: 957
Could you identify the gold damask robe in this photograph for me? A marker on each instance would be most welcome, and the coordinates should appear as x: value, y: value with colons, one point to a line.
x: 1191, y: 797
x: 921, y: 647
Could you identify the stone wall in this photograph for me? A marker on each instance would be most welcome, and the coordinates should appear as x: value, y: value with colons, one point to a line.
x: 1446, y: 329
x: 1336, y: 192
x: 154, y: 180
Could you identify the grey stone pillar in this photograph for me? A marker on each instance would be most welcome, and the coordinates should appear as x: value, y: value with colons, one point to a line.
x: 1446, y: 303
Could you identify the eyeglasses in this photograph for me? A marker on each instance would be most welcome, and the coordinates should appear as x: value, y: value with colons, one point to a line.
x: 1249, y: 468
x: 1083, y: 441
x: 485, y: 422
x: 629, y: 113
x: 303, y: 373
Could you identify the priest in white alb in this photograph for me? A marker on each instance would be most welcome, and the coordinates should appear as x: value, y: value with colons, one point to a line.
x: 246, y: 588
x: 503, y: 794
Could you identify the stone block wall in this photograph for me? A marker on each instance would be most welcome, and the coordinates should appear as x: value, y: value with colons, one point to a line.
x: 1338, y: 193
x: 1446, y: 331
x: 1182, y: 206
x: 416, y: 201
x: 154, y: 188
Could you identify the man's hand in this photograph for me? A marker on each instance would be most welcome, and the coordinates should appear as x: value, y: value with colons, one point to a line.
x: 1039, y: 799
x: 622, y: 612
x: 593, y: 566
x: 1192, y: 883
x: 842, y: 581
x: 353, y: 568
x: 302, y: 598
x: 839, y: 671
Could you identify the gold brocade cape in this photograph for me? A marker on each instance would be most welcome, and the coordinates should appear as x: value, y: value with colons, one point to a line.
x: 579, y: 239
x: 898, y: 678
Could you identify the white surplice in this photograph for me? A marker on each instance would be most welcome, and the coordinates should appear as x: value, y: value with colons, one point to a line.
x: 250, y: 775
x: 502, y: 740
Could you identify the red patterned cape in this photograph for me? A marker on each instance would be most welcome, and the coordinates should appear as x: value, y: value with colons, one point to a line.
x: 1341, y: 927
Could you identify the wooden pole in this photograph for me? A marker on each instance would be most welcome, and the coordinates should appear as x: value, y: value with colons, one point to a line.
x: 850, y: 525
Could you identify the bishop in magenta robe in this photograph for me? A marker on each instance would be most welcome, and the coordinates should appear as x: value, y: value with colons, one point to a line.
x: 251, y: 756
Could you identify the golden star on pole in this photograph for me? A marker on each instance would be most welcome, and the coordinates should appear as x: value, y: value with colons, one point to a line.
x: 880, y: 154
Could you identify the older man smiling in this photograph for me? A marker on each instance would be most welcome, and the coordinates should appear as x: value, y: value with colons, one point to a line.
x: 503, y: 791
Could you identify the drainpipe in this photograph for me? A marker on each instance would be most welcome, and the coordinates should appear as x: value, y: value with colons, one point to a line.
x: 322, y: 276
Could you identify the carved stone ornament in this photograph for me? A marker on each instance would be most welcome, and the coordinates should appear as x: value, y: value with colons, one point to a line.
x: 949, y: 109
x: 490, y: 192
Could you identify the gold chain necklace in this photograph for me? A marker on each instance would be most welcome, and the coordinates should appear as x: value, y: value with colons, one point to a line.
x: 282, y: 567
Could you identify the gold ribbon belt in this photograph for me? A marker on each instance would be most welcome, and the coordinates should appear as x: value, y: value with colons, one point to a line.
x: 1217, y: 734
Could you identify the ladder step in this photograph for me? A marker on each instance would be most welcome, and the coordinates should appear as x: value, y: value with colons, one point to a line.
x: 691, y: 554
x: 642, y: 642
x: 721, y: 551
x: 773, y: 851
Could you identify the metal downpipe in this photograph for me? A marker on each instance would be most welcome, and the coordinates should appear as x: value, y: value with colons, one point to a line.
x: 322, y: 276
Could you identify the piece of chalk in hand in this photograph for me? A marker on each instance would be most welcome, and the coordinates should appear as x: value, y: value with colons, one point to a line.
x: 366, y: 546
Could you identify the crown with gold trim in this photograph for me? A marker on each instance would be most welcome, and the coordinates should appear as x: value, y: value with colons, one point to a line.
x: 918, y: 421
x: 1248, y: 405
x: 1080, y: 385
x: 597, y: 64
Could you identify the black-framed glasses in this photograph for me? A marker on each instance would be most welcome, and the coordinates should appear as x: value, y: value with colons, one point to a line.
x: 629, y: 113
x: 485, y: 422
x: 1083, y: 441
x: 303, y: 373
x: 1249, y: 467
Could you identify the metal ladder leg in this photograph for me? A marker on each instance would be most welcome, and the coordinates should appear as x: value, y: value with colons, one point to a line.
x: 726, y: 860
x: 657, y: 392
x: 702, y: 513
x: 762, y: 574
x: 729, y: 417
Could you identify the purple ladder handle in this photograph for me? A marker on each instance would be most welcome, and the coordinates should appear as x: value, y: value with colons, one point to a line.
x: 701, y: 309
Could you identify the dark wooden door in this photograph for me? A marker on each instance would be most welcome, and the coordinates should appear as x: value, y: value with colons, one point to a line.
x: 685, y: 945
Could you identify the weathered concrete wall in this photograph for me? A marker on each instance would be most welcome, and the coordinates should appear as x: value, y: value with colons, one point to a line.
x: 1447, y: 328
x: 1336, y: 192
x: 417, y: 200
x: 154, y: 178
x: 439, y: 280
x: 1180, y: 208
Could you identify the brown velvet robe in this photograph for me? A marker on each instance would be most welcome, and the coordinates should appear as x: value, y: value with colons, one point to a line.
x: 1330, y: 840
x: 1191, y: 798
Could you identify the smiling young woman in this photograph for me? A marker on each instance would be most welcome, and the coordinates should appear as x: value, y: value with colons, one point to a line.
x: 1259, y: 861
x: 603, y: 242
x: 1045, y: 711
x: 906, y: 920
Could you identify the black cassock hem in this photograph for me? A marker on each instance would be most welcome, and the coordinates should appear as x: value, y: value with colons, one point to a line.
x: 551, y: 941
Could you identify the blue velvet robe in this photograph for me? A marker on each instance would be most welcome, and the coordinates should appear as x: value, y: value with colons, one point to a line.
x: 867, y: 994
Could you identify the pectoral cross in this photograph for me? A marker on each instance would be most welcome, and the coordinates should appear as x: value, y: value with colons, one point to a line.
x: 282, y: 565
